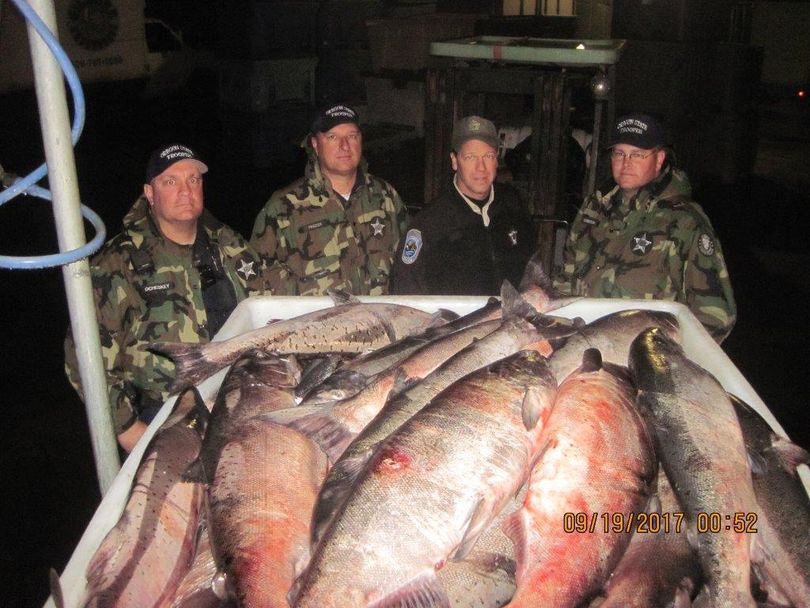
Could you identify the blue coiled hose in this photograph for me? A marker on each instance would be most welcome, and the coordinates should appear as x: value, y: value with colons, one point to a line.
x: 26, y: 185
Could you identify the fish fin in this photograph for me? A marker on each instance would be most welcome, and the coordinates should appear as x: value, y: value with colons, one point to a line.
x: 195, y: 472
x: 334, y: 490
x: 341, y: 296
x: 535, y: 276
x: 340, y: 385
x: 315, y: 374
x: 591, y: 360
x: 790, y: 455
x: 56, y: 589
x: 440, y: 318
x: 535, y: 407
x: 424, y: 591
x: 317, y: 423
x: 191, y: 364
x: 682, y: 597
x: 757, y: 464
x: 654, y: 504
x: 514, y: 526
x: 513, y: 303
x: 480, y: 518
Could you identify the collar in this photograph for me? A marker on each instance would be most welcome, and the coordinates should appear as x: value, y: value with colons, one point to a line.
x: 483, y: 210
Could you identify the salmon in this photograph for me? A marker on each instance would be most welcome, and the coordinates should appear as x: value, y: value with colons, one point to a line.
x: 430, y: 489
x: 521, y: 328
x: 144, y: 557
x: 349, y: 327
x: 597, y: 462
x: 701, y: 448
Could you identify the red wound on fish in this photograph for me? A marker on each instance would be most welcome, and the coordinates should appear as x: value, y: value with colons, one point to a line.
x: 392, y: 460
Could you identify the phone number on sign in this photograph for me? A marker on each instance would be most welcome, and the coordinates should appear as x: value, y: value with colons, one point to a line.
x: 643, y: 523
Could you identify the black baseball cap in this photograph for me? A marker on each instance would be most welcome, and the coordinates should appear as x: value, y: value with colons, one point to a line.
x: 332, y: 116
x: 639, y: 130
x: 165, y: 156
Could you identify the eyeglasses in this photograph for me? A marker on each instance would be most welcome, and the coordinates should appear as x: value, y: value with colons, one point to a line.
x: 488, y: 157
x: 633, y: 156
x: 334, y: 138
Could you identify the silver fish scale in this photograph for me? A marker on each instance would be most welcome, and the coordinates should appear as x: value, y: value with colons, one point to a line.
x: 701, y: 448
x: 410, y: 508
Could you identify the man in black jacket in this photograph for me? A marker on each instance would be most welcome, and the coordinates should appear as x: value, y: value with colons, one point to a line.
x: 473, y: 236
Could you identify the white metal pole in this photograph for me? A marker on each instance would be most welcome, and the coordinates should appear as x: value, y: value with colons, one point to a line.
x: 55, y: 125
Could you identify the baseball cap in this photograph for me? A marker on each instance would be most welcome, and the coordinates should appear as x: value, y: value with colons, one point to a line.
x: 639, y: 130
x: 165, y: 156
x: 332, y: 116
x: 474, y: 127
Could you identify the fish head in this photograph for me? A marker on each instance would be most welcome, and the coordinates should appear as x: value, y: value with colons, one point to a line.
x: 652, y: 354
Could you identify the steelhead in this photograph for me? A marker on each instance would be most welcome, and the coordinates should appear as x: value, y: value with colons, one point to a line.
x: 520, y: 328
x: 701, y: 448
x: 350, y: 326
x: 144, y: 557
x: 430, y: 489
x: 597, y: 463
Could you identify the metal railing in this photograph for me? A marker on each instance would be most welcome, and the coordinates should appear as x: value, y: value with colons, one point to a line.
x: 50, y: 62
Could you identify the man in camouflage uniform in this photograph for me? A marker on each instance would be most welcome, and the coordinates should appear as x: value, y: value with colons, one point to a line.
x: 336, y: 227
x: 645, y: 237
x: 173, y: 274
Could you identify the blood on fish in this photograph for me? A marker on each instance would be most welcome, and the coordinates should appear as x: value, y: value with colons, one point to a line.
x: 392, y: 460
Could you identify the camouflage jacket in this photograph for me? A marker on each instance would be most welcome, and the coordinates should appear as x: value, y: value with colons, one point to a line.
x: 146, y: 289
x: 311, y: 240
x: 660, y: 245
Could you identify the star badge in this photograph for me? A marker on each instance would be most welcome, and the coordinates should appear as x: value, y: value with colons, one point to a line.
x: 246, y: 269
x: 378, y: 227
x: 641, y: 243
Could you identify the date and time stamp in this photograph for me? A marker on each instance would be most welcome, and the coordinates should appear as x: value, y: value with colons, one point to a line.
x: 582, y: 522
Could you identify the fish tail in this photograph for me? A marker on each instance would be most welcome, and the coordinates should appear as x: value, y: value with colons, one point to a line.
x: 191, y: 363
x: 535, y: 277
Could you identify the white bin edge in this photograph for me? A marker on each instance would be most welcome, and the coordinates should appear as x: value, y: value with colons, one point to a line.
x: 257, y: 311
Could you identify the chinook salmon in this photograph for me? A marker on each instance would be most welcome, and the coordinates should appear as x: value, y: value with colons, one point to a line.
x: 350, y: 326
x: 203, y: 585
x: 260, y: 505
x: 335, y: 425
x: 520, y: 328
x: 701, y: 448
x: 611, y: 335
x: 430, y: 489
x: 143, y: 558
x: 257, y: 383
x: 535, y: 289
x: 597, y: 463
x: 659, y: 568
x: 263, y: 479
x: 785, y: 576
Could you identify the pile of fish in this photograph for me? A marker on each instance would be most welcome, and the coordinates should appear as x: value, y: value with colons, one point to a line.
x: 373, y: 455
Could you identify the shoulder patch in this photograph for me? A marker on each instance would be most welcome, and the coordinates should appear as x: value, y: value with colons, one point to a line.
x: 706, y: 244
x: 413, y: 245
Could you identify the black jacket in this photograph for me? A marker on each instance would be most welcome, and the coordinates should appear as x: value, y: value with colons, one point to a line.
x: 449, y: 251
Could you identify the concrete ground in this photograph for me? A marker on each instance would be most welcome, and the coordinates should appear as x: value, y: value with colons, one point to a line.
x: 49, y: 492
